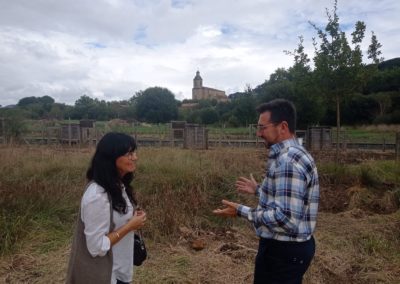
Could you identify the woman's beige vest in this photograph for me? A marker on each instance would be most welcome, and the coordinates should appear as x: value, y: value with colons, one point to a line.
x: 84, y: 268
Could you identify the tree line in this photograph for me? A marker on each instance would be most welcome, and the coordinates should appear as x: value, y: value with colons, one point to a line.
x: 334, y: 87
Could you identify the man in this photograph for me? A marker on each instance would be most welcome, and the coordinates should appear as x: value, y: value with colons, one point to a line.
x: 286, y: 214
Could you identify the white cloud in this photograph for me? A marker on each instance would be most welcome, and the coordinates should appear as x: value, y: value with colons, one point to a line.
x: 110, y: 49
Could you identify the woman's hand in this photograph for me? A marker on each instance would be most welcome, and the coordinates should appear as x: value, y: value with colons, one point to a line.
x: 246, y: 185
x: 138, y: 220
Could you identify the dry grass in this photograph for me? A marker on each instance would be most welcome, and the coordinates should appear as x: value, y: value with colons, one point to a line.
x: 40, y: 190
x: 352, y: 247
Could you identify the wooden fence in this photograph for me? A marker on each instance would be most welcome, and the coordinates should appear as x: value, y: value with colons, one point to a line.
x: 191, y: 136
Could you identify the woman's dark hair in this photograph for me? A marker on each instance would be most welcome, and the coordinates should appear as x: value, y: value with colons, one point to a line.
x: 104, y: 172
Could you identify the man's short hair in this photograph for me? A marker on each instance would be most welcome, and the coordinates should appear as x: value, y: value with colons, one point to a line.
x: 281, y: 110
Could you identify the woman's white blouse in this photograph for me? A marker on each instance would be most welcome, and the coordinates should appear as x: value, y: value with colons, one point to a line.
x: 95, y: 214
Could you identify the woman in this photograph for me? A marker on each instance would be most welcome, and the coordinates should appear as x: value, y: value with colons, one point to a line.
x: 102, y: 249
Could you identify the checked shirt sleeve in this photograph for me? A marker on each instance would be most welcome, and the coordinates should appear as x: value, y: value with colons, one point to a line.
x: 243, y: 211
x: 281, y: 205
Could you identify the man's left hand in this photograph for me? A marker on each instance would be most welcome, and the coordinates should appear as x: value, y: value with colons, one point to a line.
x: 229, y: 211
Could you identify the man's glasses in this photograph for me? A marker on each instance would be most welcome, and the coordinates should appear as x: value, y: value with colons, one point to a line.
x: 261, y: 127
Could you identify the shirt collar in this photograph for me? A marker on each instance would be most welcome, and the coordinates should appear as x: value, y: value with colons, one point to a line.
x: 277, y: 148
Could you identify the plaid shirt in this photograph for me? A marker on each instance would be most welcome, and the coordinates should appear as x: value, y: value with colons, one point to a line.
x: 288, y: 196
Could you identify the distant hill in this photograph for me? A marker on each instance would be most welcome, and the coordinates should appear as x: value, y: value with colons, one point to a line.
x: 389, y: 64
x: 8, y: 106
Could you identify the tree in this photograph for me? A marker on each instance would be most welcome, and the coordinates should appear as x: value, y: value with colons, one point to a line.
x: 244, y: 110
x: 83, y: 107
x: 309, y: 104
x: 38, y: 107
x: 15, y: 125
x: 384, y: 101
x: 57, y: 111
x: 156, y: 105
x: 209, y: 115
x: 27, y: 101
x: 338, y: 66
x: 374, y: 50
x: 359, y: 109
x: 279, y: 85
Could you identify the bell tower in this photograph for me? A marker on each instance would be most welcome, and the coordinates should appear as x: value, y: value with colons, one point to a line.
x: 197, y: 87
x: 197, y: 81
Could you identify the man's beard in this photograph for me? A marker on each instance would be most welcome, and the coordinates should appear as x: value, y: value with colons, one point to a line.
x: 267, y: 145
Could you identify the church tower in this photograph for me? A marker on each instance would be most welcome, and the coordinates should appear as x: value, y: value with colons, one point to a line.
x: 199, y: 92
x: 197, y: 87
x: 197, y: 81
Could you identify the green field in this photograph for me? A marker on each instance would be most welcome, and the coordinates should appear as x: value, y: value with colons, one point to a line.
x: 362, y: 134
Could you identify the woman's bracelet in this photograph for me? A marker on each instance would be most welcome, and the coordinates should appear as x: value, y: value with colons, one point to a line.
x: 117, y: 235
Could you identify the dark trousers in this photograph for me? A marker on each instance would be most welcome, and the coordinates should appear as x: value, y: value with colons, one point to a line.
x: 279, y: 262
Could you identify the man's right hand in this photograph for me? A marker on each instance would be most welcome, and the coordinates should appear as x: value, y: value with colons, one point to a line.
x: 246, y: 185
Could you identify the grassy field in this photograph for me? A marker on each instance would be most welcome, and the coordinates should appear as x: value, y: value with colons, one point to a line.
x: 358, y: 231
x: 360, y: 134
x: 370, y: 134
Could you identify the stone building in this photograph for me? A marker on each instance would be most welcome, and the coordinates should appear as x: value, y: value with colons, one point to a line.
x: 204, y: 93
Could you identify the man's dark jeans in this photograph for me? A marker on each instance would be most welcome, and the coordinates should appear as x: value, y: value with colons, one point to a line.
x: 282, y: 262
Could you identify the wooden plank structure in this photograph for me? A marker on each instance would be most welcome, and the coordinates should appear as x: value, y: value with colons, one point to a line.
x: 88, y: 131
x: 318, y: 138
x: 83, y: 132
x: 397, y: 149
x: 195, y: 137
x: 301, y: 136
x: 2, y: 130
x: 70, y: 133
x: 192, y: 136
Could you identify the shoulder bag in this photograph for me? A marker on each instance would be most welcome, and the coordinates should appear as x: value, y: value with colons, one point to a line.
x: 139, y: 250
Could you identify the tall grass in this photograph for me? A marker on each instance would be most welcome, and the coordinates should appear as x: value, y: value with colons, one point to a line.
x: 41, y: 190
x: 179, y: 187
x: 373, y: 186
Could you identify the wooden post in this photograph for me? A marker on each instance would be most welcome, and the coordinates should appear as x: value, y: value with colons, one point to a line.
x: 220, y: 137
x: 2, y: 131
x: 42, y: 139
x: 95, y: 134
x: 206, y: 137
x: 172, y: 134
x: 69, y: 132
x: 159, y: 134
x: 135, y: 133
x: 397, y: 146
x: 195, y: 137
x: 345, y: 140
x: 321, y: 139
x: 384, y: 145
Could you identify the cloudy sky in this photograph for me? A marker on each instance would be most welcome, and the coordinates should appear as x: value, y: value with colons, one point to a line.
x: 109, y: 49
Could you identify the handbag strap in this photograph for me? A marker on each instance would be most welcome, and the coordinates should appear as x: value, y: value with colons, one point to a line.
x: 112, y: 225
